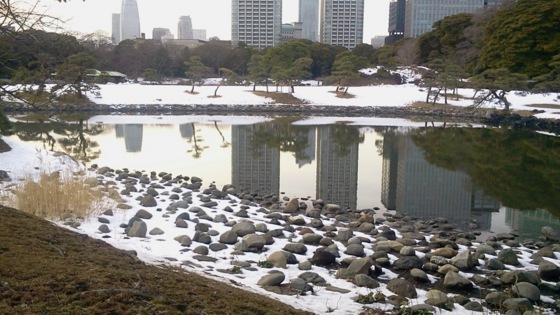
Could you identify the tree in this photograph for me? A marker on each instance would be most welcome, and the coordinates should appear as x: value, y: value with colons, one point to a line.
x: 522, y: 38
x: 323, y: 57
x: 151, y: 74
x: 345, y: 68
x: 549, y: 82
x: 364, y: 50
x: 73, y: 72
x: 258, y: 72
x: 440, y: 76
x: 196, y: 70
x: 495, y: 84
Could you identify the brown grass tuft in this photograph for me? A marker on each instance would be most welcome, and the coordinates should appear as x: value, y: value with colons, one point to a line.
x: 281, y: 98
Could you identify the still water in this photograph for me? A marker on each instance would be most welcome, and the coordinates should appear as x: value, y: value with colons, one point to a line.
x: 494, y: 179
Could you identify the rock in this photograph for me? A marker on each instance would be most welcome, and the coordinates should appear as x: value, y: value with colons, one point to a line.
x: 454, y: 281
x: 305, y: 265
x: 216, y: 247
x: 313, y: 278
x: 549, y: 271
x: 485, y: 249
x: 344, y: 235
x: 180, y: 223
x: 251, y: 243
x: 407, y: 263
x: 292, y: 206
x: 228, y: 237
x: 508, y: 257
x: 550, y: 233
x: 473, y: 306
x: 103, y: 220
x: 296, y: 248
x: 495, y: 264
x: 438, y: 299
x: 446, y: 252
x: 419, y: 275
x: 184, y: 240
x: 273, y: 279
x: 104, y: 228
x: 516, y: 276
x: 365, y: 281
x: 156, y: 231
x: 243, y: 228
x: 496, y: 298
x: 337, y: 289
x: 518, y: 304
x: 277, y: 259
x: 355, y: 250
x: 407, y: 251
x: 312, y: 239
x: 402, y: 288
x: 299, y: 286
x: 323, y: 258
x: 138, y: 229
x: 201, y: 250
x: 463, y: 261
x: 148, y: 201
x: 527, y: 290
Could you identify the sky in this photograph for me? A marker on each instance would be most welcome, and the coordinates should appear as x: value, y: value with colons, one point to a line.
x: 213, y: 15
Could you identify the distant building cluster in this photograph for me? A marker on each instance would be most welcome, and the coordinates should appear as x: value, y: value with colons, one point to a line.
x: 258, y: 23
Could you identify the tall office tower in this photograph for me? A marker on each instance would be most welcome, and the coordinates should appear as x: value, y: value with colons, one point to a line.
x: 397, y: 9
x: 158, y: 33
x: 116, y: 29
x: 342, y: 22
x: 199, y: 34
x: 309, y: 16
x: 257, y: 23
x: 130, y: 20
x: 184, y: 28
x: 420, y: 15
x: 337, y: 169
x: 254, y: 168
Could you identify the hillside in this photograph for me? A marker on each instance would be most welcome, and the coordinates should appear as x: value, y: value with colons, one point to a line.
x: 50, y: 270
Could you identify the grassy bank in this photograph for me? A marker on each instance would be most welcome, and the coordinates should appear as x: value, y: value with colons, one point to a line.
x: 46, y: 269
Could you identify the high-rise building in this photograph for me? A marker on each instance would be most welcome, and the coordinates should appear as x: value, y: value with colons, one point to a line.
x: 397, y: 9
x: 130, y: 20
x: 309, y: 17
x: 199, y: 34
x: 420, y: 15
x: 291, y: 31
x: 257, y: 23
x: 158, y: 33
x: 116, y: 29
x: 184, y: 28
x: 342, y: 22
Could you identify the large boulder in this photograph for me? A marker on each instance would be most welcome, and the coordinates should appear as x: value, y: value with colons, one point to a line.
x: 402, y: 288
x: 251, y: 243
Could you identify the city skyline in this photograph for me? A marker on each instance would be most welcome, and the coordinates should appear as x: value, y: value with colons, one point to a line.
x: 91, y: 16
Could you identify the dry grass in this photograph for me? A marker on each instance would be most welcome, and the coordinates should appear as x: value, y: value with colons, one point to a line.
x: 281, y: 98
x: 341, y: 94
x: 549, y: 106
x: 57, y: 196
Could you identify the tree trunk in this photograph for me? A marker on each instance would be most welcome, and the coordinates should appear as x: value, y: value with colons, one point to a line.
x: 192, y: 88
x: 428, y: 96
x: 345, y: 91
x: 254, y: 86
x: 216, y: 90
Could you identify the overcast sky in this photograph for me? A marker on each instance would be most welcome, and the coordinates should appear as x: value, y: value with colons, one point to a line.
x: 212, y: 15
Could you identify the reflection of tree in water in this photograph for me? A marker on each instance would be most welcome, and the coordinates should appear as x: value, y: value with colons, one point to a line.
x: 72, y: 136
x: 282, y: 135
x: 195, y: 140
x: 520, y: 168
x: 225, y: 143
x: 344, y: 137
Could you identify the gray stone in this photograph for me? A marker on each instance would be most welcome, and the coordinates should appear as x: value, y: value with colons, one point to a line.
x: 438, y: 299
x: 243, y: 228
x: 104, y: 228
x: 296, y: 248
x: 355, y: 250
x: 148, y: 201
x: 292, y: 206
x: 156, y: 231
x: 305, y: 265
x: 216, y: 247
x: 277, y: 259
x: 446, y: 252
x: 454, y: 281
x: 516, y: 276
x: 312, y: 238
x: 550, y: 233
x: 518, y: 304
x: 103, y: 220
x: 321, y: 257
x: 358, y: 266
x: 495, y: 264
x: 366, y: 281
x: 549, y: 271
x: 473, y: 306
x: 184, y: 240
x: 463, y: 261
x: 299, y: 286
x: 138, y: 229
x: 407, y: 263
x: 313, y: 278
x: 408, y: 251
x: 508, y: 257
x: 180, y: 223
x: 201, y: 250
x: 496, y: 298
x: 344, y: 235
x: 273, y: 279
x: 228, y: 237
x: 419, y: 275
x: 527, y: 290
x: 251, y: 243
x: 366, y: 227
x: 402, y: 288
x: 220, y: 218
x: 485, y: 249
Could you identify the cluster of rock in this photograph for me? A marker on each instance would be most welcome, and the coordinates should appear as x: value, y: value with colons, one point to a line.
x: 325, y: 242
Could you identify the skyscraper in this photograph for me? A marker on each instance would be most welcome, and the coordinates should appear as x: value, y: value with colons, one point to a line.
x: 420, y: 15
x: 130, y: 20
x: 258, y: 23
x: 116, y: 29
x: 309, y: 16
x: 184, y: 28
x: 342, y: 22
x: 397, y: 9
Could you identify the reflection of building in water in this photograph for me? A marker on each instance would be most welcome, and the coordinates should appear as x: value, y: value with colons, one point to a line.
x: 254, y: 169
x: 119, y: 131
x: 528, y: 223
x: 413, y: 186
x: 337, y: 175
x: 133, y: 137
x: 186, y: 130
x: 309, y: 151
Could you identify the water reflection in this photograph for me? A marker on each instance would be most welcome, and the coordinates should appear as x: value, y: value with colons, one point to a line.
x: 464, y: 174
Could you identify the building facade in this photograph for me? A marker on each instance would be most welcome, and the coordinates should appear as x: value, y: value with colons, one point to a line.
x: 184, y: 28
x: 130, y: 20
x: 257, y: 23
x: 158, y: 33
x: 342, y: 22
x: 420, y: 15
x: 291, y: 31
x: 116, y: 28
x: 309, y: 17
x: 199, y: 34
x: 397, y: 9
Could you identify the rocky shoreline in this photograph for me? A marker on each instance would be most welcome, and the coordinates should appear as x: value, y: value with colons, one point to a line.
x: 308, y: 250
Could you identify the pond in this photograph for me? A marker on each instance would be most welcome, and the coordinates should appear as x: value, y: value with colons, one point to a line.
x: 488, y: 179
